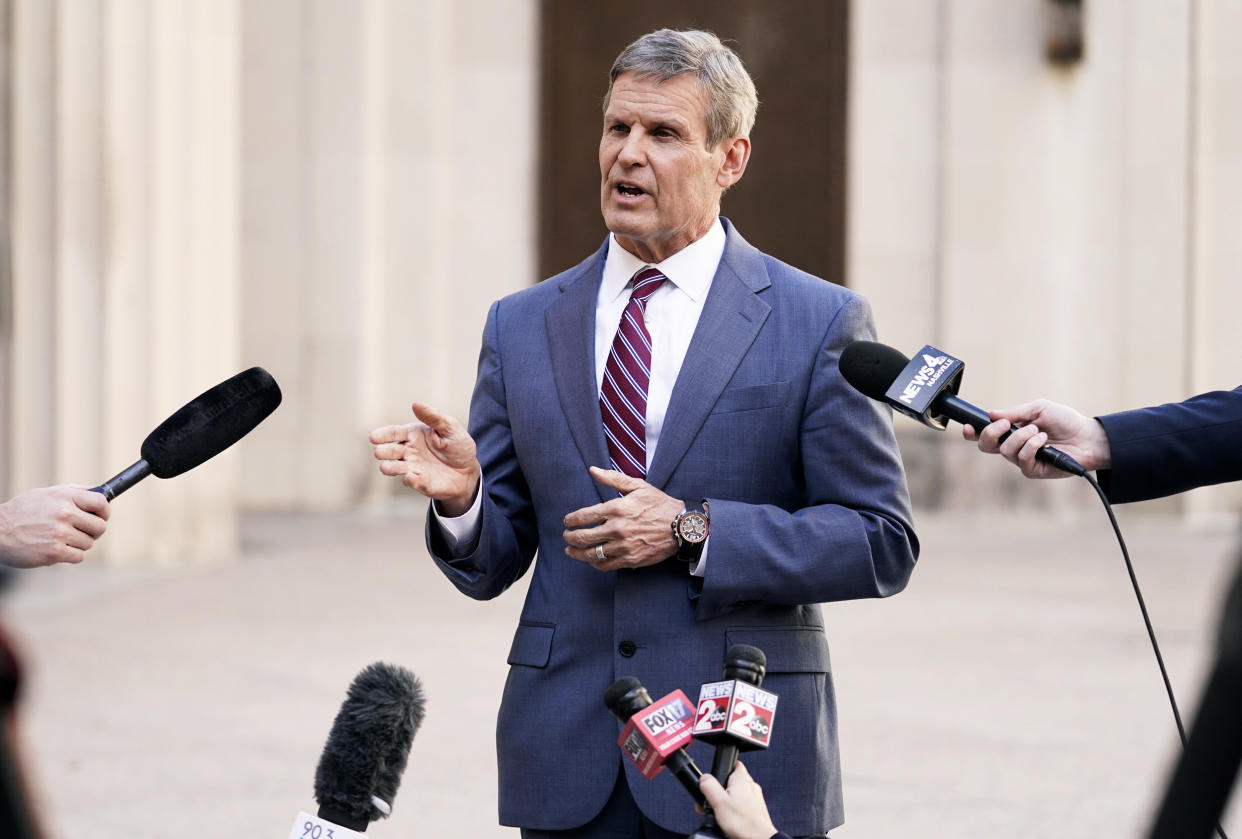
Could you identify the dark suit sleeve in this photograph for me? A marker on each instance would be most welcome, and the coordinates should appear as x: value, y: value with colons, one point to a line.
x: 853, y: 535
x: 1171, y: 448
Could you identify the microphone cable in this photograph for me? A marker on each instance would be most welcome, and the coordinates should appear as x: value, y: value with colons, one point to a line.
x: 1151, y: 632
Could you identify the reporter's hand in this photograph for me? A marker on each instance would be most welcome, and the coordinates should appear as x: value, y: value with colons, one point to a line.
x: 51, y: 525
x: 740, y: 810
x: 1043, y: 423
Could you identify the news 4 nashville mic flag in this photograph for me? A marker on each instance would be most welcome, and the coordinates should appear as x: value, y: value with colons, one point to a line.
x: 655, y: 732
x: 735, y: 710
x: 930, y: 373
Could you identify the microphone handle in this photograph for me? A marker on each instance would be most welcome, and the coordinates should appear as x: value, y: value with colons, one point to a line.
x: 116, y: 485
x: 958, y: 409
x: 724, y: 761
x: 685, y: 770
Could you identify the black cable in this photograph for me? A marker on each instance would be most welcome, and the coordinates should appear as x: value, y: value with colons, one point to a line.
x: 1151, y: 633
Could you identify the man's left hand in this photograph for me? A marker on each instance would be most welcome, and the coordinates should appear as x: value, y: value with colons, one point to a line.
x: 633, y: 530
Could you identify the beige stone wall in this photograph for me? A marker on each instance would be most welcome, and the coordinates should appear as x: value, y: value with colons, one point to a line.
x: 336, y: 190
x: 1061, y: 229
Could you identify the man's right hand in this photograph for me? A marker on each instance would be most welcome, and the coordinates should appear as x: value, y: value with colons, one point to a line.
x: 434, y: 456
x: 50, y: 525
x: 1044, y: 423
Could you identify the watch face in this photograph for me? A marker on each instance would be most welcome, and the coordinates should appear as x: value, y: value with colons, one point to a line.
x: 692, y: 527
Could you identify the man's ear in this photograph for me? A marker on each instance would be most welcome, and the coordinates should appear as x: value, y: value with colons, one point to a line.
x: 737, y: 154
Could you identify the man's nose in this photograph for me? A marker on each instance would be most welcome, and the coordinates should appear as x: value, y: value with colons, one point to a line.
x: 634, y: 149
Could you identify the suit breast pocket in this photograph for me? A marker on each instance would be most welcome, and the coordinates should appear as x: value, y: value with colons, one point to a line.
x: 752, y: 398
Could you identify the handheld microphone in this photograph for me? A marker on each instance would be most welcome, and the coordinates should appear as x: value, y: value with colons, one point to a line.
x: 201, y: 429
x: 367, y: 749
x: 735, y: 714
x: 925, y: 390
x: 655, y: 732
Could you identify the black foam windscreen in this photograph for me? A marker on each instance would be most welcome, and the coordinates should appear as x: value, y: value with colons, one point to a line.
x: 369, y: 744
x: 746, y: 663
x: 626, y: 697
x: 871, y: 367
x: 211, y: 422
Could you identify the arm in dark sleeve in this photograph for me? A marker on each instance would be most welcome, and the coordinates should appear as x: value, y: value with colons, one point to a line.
x: 1171, y: 448
x: 854, y: 535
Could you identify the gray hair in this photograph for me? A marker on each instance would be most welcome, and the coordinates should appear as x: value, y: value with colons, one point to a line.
x: 665, y: 53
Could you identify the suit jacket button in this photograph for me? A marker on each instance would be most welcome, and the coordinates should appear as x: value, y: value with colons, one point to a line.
x: 627, y: 648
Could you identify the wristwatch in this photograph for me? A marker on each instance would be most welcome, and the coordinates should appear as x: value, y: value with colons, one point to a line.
x: 690, y: 529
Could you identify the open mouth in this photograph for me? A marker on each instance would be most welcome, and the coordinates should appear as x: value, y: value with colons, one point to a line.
x: 630, y: 190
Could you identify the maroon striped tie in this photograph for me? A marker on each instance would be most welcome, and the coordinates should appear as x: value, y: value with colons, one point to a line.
x: 623, y: 395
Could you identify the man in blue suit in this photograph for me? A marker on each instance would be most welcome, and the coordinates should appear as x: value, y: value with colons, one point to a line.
x: 1141, y: 454
x: 665, y: 428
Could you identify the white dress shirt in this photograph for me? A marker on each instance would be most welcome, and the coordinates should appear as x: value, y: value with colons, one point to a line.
x: 672, y: 313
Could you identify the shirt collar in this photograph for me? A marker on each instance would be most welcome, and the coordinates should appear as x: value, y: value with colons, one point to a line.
x: 690, y: 269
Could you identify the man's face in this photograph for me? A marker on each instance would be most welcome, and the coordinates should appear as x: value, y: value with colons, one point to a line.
x: 661, y: 184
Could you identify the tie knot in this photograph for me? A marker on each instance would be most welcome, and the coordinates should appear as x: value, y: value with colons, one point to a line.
x: 646, y: 282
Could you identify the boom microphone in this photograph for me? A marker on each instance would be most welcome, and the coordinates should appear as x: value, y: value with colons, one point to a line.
x: 925, y: 390
x: 361, y: 765
x: 201, y: 429
x: 655, y: 732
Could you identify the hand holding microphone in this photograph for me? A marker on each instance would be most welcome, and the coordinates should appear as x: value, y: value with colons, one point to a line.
x: 1037, y: 424
x: 925, y: 390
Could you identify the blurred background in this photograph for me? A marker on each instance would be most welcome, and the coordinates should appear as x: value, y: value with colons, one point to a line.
x: 336, y: 190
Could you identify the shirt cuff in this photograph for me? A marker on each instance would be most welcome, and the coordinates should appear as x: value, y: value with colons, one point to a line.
x: 699, y: 567
x: 463, y: 529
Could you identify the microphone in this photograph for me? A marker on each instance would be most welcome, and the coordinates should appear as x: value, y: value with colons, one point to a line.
x: 735, y: 714
x: 925, y: 390
x: 655, y: 732
x: 361, y: 765
x: 201, y: 429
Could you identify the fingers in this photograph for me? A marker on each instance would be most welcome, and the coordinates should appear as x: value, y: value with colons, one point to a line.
x: 440, y: 423
x: 392, y: 433
x: 712, y: 790
x: 91, y: 502
x: 619, y: 481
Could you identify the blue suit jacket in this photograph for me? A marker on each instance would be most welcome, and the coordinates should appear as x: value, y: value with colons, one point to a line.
x: 1172, y: 448
x: 808, y: 504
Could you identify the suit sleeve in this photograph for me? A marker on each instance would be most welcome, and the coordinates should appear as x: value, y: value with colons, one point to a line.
x: 507, y: 529
x: 1171, y: 448
x: 853, y: 537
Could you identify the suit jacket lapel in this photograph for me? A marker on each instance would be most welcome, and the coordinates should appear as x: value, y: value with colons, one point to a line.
x: 732, y: 316
x: 570, y: 323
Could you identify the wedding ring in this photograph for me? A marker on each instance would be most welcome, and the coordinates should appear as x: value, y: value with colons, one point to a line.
x: 599, y: 553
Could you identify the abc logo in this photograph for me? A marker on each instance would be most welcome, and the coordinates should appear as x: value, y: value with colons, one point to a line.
x: 758, y: 727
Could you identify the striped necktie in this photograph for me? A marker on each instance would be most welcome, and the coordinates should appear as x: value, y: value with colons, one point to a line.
x: 623, y: 395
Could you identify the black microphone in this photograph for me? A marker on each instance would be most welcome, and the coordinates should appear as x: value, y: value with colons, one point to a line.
x: 201, y: 429
x: 925, y: 390
x: 1199, y: 788
x: 627, y: 697
x: 745, y: 664
x: 367, y: 749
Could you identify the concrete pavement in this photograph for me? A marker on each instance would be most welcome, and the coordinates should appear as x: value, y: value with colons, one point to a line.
x: 1010, y: 691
